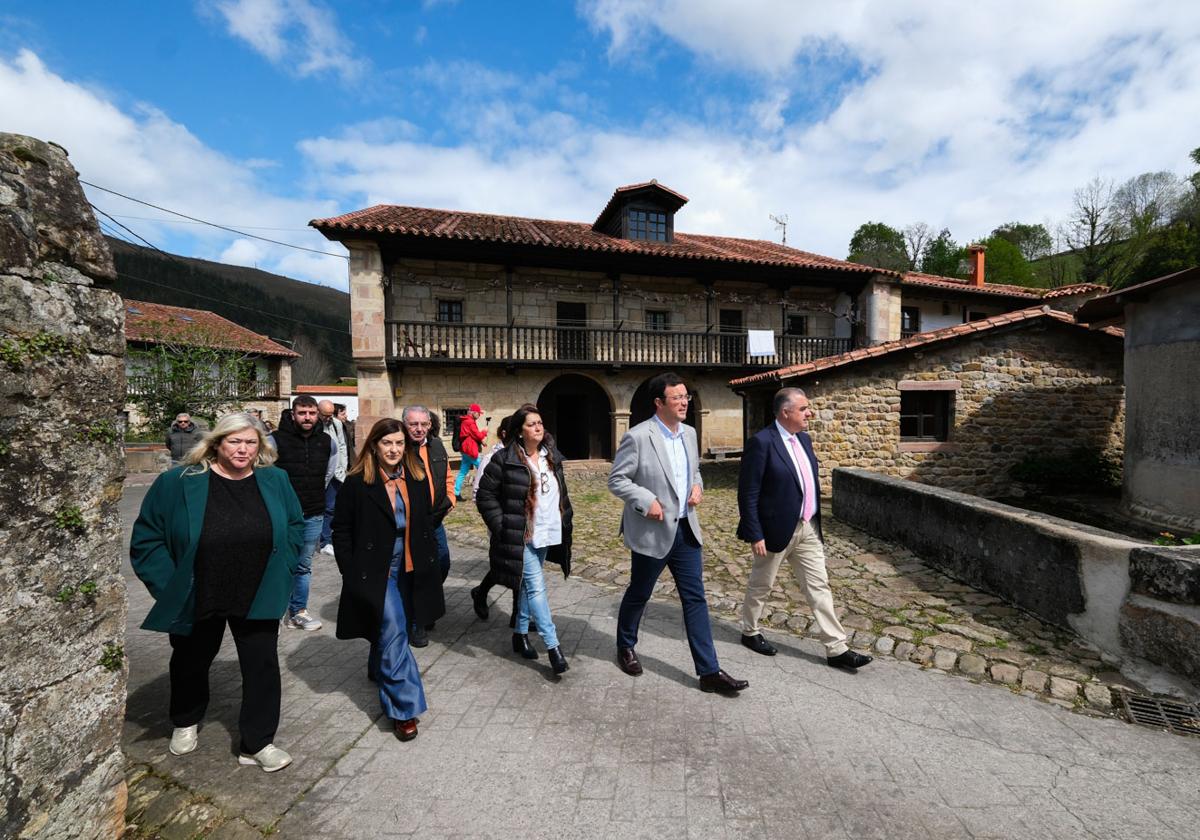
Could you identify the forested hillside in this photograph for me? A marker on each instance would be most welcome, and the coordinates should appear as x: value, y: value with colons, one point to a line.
x: 314, y: 320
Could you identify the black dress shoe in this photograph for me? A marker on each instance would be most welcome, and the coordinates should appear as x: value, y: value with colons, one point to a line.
x: 628, y: 660
x: 521, y: 645
x: 417, y: 637
x: 722, y: 683
x: 479, y: 602
x: 849, y: 660
x: 758, y: 644
x: 557, y: 661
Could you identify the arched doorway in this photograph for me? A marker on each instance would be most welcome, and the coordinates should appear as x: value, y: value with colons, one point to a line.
x: 578, y: 413
x: 641, y: 407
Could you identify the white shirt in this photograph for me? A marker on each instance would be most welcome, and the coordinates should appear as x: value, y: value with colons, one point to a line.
x: 547, y: 518
x: 680, y: 471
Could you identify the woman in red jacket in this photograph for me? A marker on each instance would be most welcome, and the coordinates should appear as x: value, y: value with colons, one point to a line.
x: 469, y: 436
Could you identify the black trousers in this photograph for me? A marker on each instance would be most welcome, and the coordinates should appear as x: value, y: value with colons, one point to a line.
x: 257, y: 643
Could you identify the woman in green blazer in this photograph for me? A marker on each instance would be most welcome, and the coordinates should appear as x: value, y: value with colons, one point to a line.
x: 216, y: 542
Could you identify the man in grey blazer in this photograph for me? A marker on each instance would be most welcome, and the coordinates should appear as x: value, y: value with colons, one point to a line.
x: 656, y: 473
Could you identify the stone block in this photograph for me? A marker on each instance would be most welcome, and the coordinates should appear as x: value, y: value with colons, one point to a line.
x: 969, y: 632
x: 165, y: 806
x: 1099, y: 696
x: 189, y: 822
x: 922, y: 655
x: 1164, y: 633
x: 904, y: 650
x: 1064, y: 689
x: 235, y: 830
x: 902, y: 633
x: 972, y: 664
x: 1034, y: 680
x: 949, y: 640
x: 944, y: 659
x: 1166, y: 573
x: 1004, y: 673
x: 884, y: 645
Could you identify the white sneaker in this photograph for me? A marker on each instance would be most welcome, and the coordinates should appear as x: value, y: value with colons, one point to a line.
x: 328, y: 549
x: 303, y: 620
x: 183, y: 740
x: 270, y: 758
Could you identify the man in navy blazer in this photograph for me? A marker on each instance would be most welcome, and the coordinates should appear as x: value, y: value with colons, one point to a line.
x: 780, y: 507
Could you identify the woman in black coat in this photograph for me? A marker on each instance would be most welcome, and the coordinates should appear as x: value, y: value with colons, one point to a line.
x: 383, y: 542
x: 523, y: 500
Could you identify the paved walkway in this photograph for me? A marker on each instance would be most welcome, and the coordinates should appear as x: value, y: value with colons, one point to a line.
x: 508, y: 750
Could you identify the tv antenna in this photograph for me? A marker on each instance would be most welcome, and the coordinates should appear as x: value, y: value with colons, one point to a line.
x: 780, y: 223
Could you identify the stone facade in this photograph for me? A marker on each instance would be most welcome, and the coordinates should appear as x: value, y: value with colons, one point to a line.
x: 62, y: 597
x: 1041, y: 388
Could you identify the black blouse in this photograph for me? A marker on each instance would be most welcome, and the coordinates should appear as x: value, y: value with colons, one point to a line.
x: 235, y: 545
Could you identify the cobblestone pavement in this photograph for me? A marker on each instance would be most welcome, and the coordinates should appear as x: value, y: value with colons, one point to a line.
x: 507, y: 749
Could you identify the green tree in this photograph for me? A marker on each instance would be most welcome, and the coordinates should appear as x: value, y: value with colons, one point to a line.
x: 173, y: 374
x: 1172, y: 248
x: 879, y: 245
x: 1094, y: 232
x: 1032, y: 240
x: 942, y: 256
x: 1005, y: 263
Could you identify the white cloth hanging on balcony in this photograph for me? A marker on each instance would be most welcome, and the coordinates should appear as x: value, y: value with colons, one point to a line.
x: 761, y: 342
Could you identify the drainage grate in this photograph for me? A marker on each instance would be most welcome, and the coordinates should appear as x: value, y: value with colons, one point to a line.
x: 1180, y: 718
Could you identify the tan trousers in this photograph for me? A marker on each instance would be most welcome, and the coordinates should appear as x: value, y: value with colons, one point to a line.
x: 806, y: 556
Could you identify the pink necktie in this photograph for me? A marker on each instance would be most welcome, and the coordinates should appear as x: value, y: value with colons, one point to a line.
x: 806, y: 479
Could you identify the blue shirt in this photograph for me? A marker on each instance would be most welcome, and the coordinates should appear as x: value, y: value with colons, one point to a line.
x: 680, y: 469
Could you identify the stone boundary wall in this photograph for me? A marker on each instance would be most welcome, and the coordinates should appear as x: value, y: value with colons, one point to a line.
x: 62, y: 596
x: 1160, y: 621
x: 1068, y: 574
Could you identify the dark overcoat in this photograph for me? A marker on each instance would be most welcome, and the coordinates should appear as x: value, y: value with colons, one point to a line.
x: 500, y: 497
x: 364, y: 535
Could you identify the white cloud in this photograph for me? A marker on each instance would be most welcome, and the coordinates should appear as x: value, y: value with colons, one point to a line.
x: 143, y: 153
x: 300, y: 36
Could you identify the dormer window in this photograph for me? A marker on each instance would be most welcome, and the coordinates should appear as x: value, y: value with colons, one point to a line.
x: 643, y: 212
x: 647, y: 224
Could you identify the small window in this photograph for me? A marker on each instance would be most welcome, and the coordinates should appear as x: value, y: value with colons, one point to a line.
x: 797, y: 325
x: 977, y: 316
x: 450, y: 311
x: 658, y: 319
x: 910, y: 321
x: 925, y: 415
x: 646, y: 224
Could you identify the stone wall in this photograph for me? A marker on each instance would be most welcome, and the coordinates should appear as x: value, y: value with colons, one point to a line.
x: 1043, y: 389
x: 62, y: 597
x: 1160, y: 621
x: 1068, y: 574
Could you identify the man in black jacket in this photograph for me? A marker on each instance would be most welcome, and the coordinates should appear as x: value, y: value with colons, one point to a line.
x: 309, y: 457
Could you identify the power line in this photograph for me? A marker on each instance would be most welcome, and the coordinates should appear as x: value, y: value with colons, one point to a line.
x: 212, y: 224
x: 161, y: 220
x: 123, y: 227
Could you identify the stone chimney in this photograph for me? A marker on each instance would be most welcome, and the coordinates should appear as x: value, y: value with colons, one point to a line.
x: 975, y: 263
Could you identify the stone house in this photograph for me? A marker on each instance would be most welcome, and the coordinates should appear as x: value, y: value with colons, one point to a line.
x: 1161, y: 318
x: 264, y: 370
x: 450, y: 308
x: 957, y: 407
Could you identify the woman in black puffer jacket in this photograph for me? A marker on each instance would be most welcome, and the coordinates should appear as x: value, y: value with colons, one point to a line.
x: 522, y: 497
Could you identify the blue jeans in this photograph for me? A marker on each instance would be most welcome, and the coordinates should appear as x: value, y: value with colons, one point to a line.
x: 330, y: 500
x: 687, y: 567
x: 303, y: 574
x: 468, y: 464
x: 443, y: 550
x: 533, y: 602
x: 391, y: 662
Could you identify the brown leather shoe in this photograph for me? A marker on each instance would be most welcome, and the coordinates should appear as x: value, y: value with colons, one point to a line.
x: 627, y: 659
x: 405, y: 730
x: 722, y: 683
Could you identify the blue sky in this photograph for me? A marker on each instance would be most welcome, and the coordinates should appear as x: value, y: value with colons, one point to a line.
x: 266, y: 113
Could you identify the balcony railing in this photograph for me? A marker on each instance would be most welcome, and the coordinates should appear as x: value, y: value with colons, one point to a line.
x: 496, y: 343
x: 234, y: 389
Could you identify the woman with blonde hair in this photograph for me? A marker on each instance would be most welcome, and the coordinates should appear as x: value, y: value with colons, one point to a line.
x: 385, y: 548
x: 216, y: 542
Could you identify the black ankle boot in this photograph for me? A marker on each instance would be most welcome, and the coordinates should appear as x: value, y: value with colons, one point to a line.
x: 557, y: 661
x: 521, y: 645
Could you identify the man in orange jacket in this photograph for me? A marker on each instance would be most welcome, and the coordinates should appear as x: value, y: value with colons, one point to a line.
x: 469, y: 436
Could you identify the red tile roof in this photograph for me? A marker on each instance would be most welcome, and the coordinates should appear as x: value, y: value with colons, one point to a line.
x: 917, y: 278
x: 486, y: 227
x: 1073, y: 289
x: 154, y: 323
x: 919, y: 340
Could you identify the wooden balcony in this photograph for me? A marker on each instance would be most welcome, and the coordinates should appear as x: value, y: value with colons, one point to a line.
x: 233, y: 389
x: 475, y: 344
